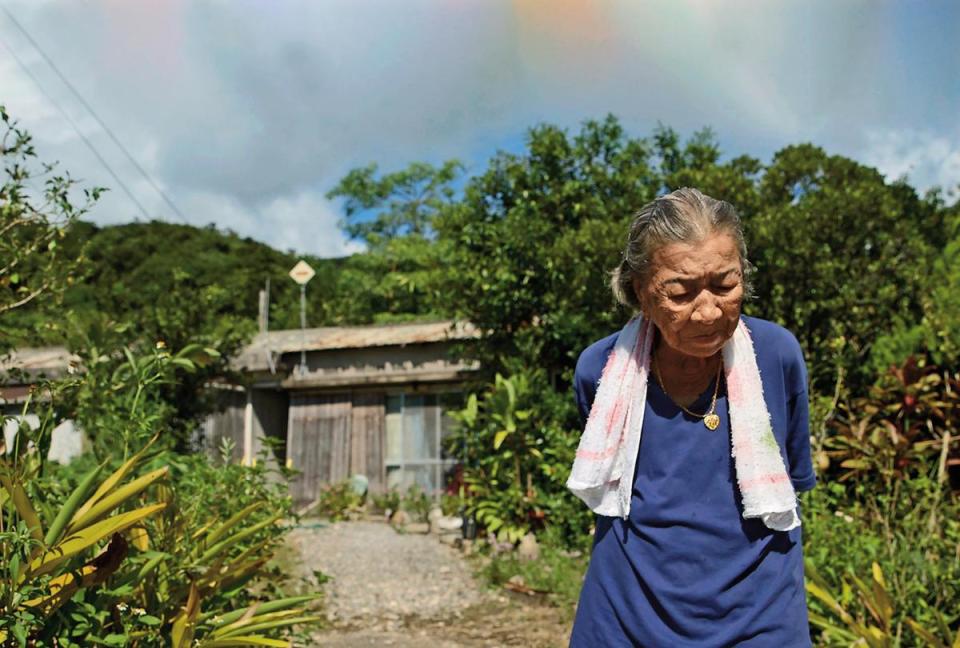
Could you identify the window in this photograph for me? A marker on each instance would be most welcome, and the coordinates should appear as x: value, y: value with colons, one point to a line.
x: 416, y: 426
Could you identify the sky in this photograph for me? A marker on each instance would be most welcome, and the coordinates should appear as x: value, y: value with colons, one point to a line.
x: 245, y: 114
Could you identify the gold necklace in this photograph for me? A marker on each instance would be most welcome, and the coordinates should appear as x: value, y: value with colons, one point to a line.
x: 710, y: 418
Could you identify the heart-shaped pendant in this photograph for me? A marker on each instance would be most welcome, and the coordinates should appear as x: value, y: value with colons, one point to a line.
x: 712, y: 421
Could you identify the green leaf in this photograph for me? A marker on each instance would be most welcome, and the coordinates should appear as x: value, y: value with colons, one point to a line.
x: 925, y: 634
x: 249, y: 640
x: 232, y: 521
x: 22, y: 503
x: 117, y: 498
x: 70, y: 506
x: 262, y: 608
x: 184, y: 625
x: 278, y: 623
x: 75, y: 543
x: 236, y: 538
x: 110, y: 482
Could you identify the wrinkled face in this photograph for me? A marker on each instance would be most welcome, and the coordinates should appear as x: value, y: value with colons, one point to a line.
x: 693, y: 294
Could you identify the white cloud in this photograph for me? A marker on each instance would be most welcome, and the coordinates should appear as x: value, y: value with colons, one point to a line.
x: 305, y: 222
x: 926, y: 159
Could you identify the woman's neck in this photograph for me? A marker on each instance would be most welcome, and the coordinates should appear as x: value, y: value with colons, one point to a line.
x: 685, y: 377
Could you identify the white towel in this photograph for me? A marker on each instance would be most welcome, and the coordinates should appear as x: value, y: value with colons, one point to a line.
x: 602, y: 473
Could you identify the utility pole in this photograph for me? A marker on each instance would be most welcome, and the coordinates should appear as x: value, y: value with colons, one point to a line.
x: 302, y: 273
x: 263, y: 317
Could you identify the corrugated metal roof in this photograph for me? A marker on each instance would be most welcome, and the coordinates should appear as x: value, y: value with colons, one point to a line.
x: 254, y: 355
x: 54, y: 361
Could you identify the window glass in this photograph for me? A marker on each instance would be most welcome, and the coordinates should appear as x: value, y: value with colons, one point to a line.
x: 448, y: 403
x: 423, y: 476
x: 415, y: 427
x: 419, y: 437
x: 394, y: 429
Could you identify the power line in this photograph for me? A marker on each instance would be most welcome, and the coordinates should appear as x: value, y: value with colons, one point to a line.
x: 90, y: 109
x: 76, y: 129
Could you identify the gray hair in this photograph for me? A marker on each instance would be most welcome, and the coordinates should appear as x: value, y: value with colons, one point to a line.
x: 684, y: 216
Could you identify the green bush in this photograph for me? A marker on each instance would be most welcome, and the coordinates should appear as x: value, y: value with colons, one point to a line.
x: 338, y: 501
x: 517, y: 450
x: 176, y: 556
x: 387, y: 501
x: 415, y: 502
x: 937, y: 332
x: 903, y: 427
x: 911, y: 530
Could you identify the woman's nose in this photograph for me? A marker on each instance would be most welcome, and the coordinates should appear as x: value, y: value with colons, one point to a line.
x: 706, y: 310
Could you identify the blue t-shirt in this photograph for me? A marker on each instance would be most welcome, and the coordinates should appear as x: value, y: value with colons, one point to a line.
x: 685, y: 569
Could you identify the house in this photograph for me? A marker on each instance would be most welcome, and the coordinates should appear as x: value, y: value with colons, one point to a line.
x: 333, y: 402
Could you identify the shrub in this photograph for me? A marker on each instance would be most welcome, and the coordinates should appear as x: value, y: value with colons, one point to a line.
x: 417, y: 503
x: 387, y: 501
x: 517, y: 451
x: 904, y: 426
x: 909, y: 528
x: 175, y: 555
x: 337, y: 501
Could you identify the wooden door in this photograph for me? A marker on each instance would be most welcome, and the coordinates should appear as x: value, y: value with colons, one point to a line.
x: 366, y: 454
x: 318, y: 443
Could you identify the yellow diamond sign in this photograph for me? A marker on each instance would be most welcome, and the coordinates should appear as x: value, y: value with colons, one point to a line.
x: 302, y: 272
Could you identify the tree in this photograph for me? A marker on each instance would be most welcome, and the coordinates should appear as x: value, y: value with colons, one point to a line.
x: 382, y: 207
x: 533, y: 240
x: 33, y: 222
x: 937, y: 332
x: 525, y: 249
x: 397, y: 278
x: 841, y: 255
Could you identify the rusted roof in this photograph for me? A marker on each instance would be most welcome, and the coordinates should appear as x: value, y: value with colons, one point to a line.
x: 54, y: 361
x: 254, y: 355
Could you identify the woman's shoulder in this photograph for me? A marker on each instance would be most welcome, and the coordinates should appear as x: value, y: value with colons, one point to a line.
x: 594, y: 357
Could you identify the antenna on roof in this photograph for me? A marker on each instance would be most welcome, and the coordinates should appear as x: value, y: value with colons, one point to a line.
x: 263, y: 324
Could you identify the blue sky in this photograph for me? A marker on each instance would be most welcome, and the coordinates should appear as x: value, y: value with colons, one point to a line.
x: 247, y: 113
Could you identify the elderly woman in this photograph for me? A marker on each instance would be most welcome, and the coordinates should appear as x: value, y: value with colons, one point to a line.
x: 694, y: 448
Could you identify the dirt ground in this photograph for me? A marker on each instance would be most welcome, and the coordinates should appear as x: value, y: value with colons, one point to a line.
x: 408, y: 590
x: 498, y: 622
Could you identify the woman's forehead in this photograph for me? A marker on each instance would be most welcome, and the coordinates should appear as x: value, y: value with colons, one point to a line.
x: 717, y: 254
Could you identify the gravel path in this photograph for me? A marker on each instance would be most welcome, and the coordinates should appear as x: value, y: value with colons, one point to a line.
x: 408, y: 590
x: 380, y: 575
